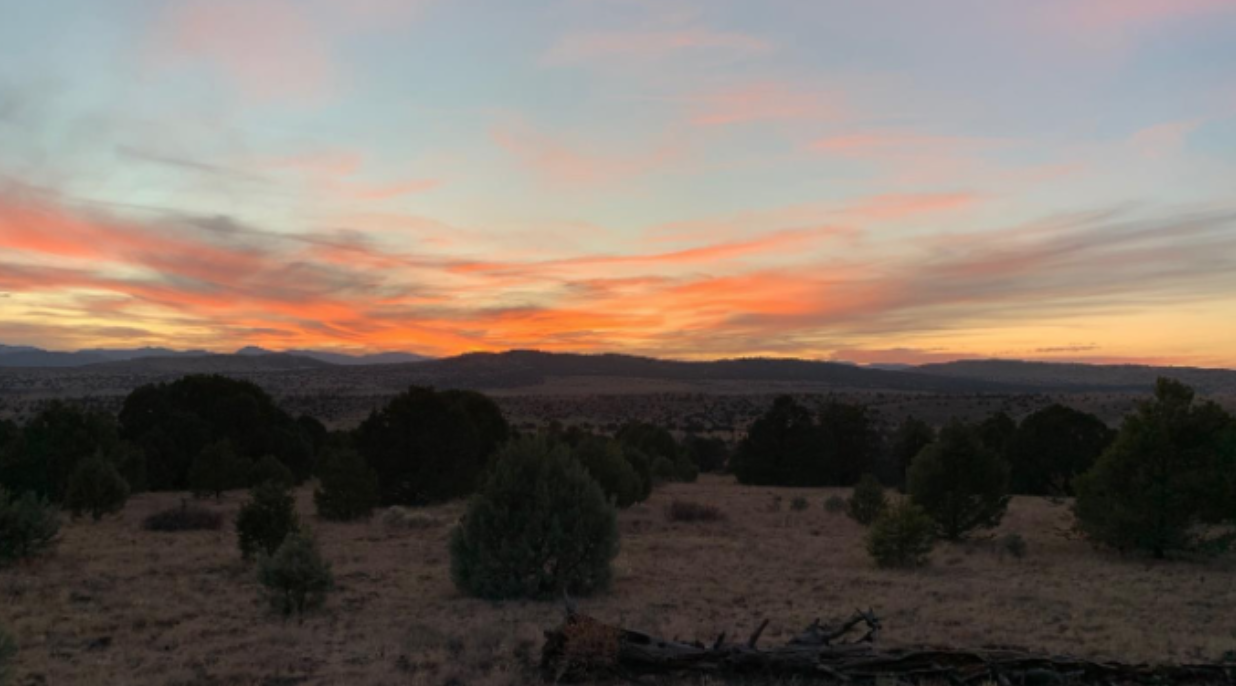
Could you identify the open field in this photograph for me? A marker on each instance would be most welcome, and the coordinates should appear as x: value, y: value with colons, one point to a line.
x: 119, y: 605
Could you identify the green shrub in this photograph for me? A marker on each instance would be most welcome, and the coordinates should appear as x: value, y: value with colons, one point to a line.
x: 269, y: 468
x: 184, y: 518
x: 347, y: 487
x: 217, y: 469
x: 867, y: 502
x: 835, y: 504
x: 264, y: 521
x: 29, y: 525
x: 1168, y: 473
x: 960, y: 482
x: 97, y: 488
x: 429, y: 447
x: 295, y: 577
x: 605, y: 462
x: 539, y: 526
x: 687, y: 511
x: 8, y: 651
x: 1052, y: 447
x: 902, y: 537
x: 798, y: 504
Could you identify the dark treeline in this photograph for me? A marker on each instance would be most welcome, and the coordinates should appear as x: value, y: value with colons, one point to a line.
x: 834, y: 444
x: 209, y: 434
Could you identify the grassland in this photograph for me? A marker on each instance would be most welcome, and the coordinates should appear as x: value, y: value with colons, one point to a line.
x: 120, y: 605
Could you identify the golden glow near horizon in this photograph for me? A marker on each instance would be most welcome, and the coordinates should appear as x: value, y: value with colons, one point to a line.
x: 676, y: 179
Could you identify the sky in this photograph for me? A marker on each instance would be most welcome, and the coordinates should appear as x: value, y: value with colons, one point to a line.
x: 868, y: 181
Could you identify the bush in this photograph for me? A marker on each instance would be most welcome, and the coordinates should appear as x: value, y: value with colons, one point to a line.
x: 97, y: 488
x: 295, y: 578
x: 1012, y: 544
x: 184, y: 518
x: 269, y: 468
x: 835, y: 504
x: 960, y: 483
x: 867, y: 502
x: 29, y: 525
x: 1053, y: 446
x: 347, y: 487
x: 426, y: 447
x: 8, y: 651
x: 266, y: 520
x: 1164, y: 477
x: 687, y: 511
x: 175, y: 422
x: 52, y: 444
x: 780, y: 448
x: 798, y: 504
x: 217, y: 469
x: 539, y: 526
x: 902, y: 537
x: 605, y: 462
x: 909, y: 439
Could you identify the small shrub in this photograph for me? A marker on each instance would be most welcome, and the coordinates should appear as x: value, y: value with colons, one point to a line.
x: 605, y: 462
x: 687, y: 511
x: 269, y: 468
x: 867, y: 502
x: 8, y: 651
x: 798, y: 504
x: 960, y: 482
x: 538, y: 527
x: 902, y: 537
x: 184, y: 518
x: 97, y: 488
x: 28, y: 526
x: 834, y: 504
x: 347, y: 487
x: 1013, y: 545
x: 295, y: 578
x: 266, y: 520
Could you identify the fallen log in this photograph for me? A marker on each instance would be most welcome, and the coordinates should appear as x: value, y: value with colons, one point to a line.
x: 583, y: 648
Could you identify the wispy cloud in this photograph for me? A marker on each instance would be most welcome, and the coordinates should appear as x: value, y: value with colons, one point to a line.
x: 590, y: 46
x: 562, y: 163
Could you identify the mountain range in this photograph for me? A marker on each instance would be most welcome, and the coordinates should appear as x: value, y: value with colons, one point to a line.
x: 528, y: 368
x: 27, y: 356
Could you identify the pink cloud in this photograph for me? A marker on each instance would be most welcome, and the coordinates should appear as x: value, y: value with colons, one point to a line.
x: 765, y: 101
x: 1164, y: 139
x: 561, y: 163
x: 648, y: 45
x: 271, y: 49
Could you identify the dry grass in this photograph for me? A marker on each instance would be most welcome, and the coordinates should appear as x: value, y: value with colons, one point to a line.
x: 119, y: 605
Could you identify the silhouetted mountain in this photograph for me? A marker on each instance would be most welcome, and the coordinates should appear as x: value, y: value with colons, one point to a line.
x: 528, y: 368
x: 1071, y: 376
x: 211, y: 364
x: 45, y: 358
x: 27, y: 356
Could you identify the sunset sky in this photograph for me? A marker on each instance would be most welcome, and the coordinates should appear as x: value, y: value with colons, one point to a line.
x: 872, y: 181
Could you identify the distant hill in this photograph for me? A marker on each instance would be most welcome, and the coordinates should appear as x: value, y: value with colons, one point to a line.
x: 1068, y: 376
x: 210, y: 364
x: 342, y: 358
x: 29, y: 357
x: 528, y: 368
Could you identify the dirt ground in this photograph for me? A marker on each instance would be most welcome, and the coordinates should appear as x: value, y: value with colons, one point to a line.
x: 119, y: 605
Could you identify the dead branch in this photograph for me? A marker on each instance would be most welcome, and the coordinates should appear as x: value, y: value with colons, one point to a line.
x: 585, y: 648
